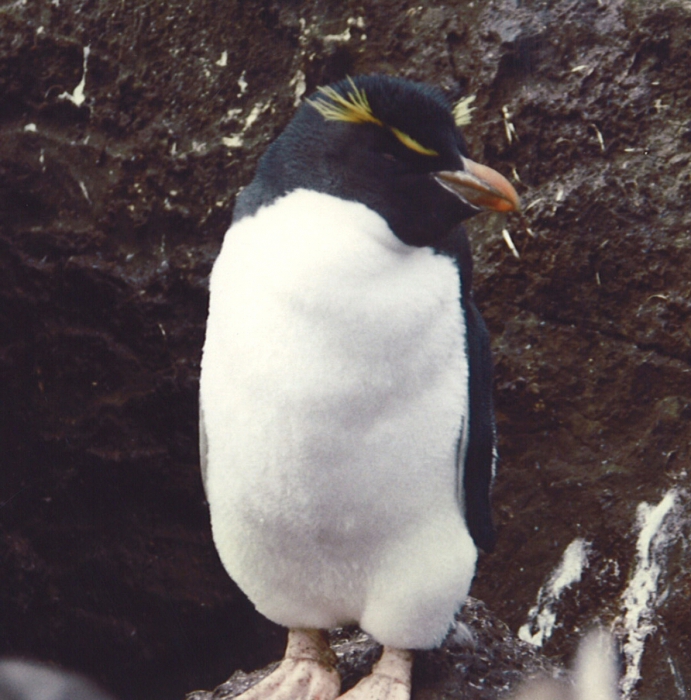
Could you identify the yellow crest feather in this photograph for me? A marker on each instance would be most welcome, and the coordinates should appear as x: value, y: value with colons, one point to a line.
x: 352, y: 108
x: 411, y: 143
x: 463, y: 112
x: 355, y: 108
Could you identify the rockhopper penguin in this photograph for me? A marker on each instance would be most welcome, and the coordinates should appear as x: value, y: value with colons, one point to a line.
x: 347, y: 430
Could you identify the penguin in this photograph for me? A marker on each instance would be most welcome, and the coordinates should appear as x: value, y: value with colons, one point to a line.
x: 347, y: 435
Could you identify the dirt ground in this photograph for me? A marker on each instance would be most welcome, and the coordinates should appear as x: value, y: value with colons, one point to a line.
x: 126, y: 130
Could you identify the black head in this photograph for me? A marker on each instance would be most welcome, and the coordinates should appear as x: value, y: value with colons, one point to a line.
x: 386, y: 142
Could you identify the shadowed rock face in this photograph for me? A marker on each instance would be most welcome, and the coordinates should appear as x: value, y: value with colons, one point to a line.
x: 118, y: 171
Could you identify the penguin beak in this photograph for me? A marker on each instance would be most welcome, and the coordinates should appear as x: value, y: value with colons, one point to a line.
x: 480, y: 186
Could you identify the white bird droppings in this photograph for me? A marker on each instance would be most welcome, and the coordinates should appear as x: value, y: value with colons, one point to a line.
x: 254, y: 114
x: 342, y: 38
x: 299, y: 83
x: 542, y: 616
x: 641, y: 597
x: 345, y: 36
x: 242, y: 84
x: 77, y: 97
x: 236, y: 140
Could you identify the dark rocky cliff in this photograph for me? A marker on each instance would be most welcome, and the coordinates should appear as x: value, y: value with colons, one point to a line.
x: 125, y: 132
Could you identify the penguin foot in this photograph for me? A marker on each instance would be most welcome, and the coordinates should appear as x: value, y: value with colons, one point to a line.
x: 307, y: 672
x: 389, y: 680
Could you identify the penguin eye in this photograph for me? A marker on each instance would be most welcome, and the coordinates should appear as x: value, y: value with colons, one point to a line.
x: 392, y: 147
x: 385, y: 146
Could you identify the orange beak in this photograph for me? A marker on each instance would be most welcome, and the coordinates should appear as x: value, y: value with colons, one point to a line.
x: 480, y: 186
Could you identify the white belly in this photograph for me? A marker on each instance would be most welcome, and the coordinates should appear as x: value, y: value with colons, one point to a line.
x: 334, y: 388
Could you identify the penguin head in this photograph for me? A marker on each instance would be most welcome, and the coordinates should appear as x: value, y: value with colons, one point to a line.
x: 390, y: 144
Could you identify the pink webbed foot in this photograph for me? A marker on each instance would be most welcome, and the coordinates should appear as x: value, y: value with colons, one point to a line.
x: 307, y: 671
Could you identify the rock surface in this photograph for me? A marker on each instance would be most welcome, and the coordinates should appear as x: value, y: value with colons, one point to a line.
x: 126, y: 130
x: 483, y: 667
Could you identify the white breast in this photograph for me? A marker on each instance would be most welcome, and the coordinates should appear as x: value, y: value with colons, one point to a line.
x: 334, y: 387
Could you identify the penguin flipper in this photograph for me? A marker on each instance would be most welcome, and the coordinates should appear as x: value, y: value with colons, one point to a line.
x: 481, y: 454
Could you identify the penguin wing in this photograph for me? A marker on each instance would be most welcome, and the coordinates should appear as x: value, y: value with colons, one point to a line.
x: 481, y: 454
x: 203, y: 446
